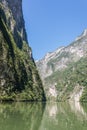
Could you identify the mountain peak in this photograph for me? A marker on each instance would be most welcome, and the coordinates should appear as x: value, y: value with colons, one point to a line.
x: 82, y: 35
x: 85, y: 32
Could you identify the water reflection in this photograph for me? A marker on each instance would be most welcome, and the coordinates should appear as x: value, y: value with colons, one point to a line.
x: 77, y: 108
x: 64, y: 116
x: 37, y: 116
x: 52, y: 110
x: 21, y: 116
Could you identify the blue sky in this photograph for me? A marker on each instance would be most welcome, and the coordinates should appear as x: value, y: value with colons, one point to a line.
x: 53, y: 23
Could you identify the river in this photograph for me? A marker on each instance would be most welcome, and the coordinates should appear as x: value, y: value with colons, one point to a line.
x: 43, y: 116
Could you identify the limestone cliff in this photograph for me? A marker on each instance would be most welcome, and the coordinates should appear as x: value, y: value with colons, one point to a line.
x: 64, y: 71
x: 19, y: 78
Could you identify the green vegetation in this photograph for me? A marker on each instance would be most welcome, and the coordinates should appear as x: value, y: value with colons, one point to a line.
x: 19, y: 78
x: 68, y: 79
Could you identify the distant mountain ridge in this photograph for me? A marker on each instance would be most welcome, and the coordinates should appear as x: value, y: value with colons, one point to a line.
x: 55, y: 64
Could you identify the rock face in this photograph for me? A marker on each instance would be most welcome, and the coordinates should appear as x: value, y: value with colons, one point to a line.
x: 19, y: 78
x: 59, y: 69
x: 14, y: 19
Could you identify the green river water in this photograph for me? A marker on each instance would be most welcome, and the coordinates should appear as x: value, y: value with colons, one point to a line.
x: 43, y: 116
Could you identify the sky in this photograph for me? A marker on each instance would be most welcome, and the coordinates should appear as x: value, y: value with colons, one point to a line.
x: 51, y: 24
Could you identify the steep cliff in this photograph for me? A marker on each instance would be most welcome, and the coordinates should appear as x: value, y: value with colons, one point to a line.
x: 64, y: 71
x: 19, y: 78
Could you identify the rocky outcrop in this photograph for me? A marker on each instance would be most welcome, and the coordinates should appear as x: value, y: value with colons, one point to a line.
x: 57, y: 67
x: 19, y: 78
x: 14, y: 19
x: 60, y: 58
